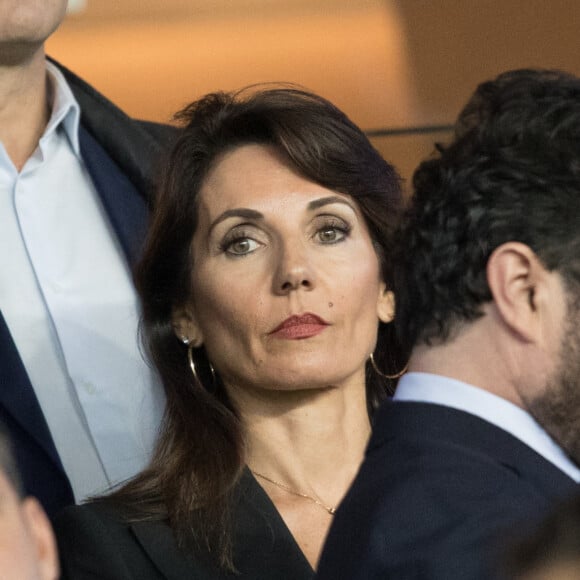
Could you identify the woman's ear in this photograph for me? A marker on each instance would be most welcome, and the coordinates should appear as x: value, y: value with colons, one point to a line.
x: 185, y: 326
x: 386, y: 304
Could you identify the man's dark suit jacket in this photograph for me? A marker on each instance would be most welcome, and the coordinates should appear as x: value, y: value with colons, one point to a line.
x: 437, y: 492
x: 94, y: 542
x: 122, y: 156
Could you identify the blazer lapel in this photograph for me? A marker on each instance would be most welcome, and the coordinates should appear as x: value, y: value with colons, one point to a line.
x: 260, y: 524
x: 126, y: 209
x: 264, y: 548
x: 17, y: 395
x: 157, y: 539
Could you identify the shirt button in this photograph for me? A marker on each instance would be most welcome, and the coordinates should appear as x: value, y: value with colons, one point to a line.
x: 89, y: 387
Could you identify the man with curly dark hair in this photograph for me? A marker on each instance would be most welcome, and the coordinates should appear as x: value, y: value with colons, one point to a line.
x: 484, y: 430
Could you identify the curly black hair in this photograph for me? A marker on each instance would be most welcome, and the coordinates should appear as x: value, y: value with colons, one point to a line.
x: 510, y: 173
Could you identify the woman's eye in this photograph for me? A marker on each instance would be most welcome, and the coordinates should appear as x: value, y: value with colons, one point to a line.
x: 241, y: 246
x: 331, y: 235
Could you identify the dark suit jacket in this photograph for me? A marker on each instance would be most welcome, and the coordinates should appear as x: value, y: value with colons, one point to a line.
x: 95, y: 543
x: 122, y: 156
x: 437, y: 491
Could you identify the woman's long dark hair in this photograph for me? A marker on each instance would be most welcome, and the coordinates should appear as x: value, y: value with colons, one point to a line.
x: 199, y: 458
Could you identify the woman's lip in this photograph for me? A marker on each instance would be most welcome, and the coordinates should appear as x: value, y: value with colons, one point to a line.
x: 300, y: 326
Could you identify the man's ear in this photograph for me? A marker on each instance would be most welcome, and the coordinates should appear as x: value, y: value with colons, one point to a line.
x: 42, y: 536
x: 519, y: 285
x: 185, y: 326
x: 386, y: 304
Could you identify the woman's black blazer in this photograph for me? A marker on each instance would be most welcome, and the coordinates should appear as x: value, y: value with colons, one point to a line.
x: 95, y: 543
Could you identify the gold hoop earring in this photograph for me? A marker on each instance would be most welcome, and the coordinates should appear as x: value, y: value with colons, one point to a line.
x: 391, y: 377
x: 192, y: 364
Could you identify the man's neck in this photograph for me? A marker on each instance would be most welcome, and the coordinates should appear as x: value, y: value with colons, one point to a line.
x: 24, y: 109
x: 480, y: 355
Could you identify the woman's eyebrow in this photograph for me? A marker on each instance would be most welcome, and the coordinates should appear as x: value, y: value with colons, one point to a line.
x: 321, y: 202
x: 243, y: 212
x: 248, y: 213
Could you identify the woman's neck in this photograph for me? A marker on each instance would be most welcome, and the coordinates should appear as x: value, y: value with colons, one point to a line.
x: 305, y: 447
x: 312, y: 441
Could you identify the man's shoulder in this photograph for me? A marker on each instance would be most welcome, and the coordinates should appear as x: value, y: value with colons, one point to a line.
x: 138, y: 148
x: 425, y: 517
x: 97, y: 540
x: 434, y: 491
x: 97, y: 516
x: 430, y: 451
x: 95, y: 107
x: 435, y: 425
x: 417, y: 478
x: 161, y: 132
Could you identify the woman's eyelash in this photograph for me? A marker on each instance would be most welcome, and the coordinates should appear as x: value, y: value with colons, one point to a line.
x: 235, y: 234
x: 325, y: 220
x: 338, y: 225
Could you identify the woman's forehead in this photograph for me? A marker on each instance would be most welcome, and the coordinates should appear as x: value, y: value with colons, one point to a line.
x: 258, y: 177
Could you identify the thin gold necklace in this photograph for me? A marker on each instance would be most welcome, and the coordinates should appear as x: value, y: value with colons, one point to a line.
x: 331, y: 510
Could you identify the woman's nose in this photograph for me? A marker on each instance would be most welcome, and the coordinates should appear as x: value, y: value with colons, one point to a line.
x: 294, y: 271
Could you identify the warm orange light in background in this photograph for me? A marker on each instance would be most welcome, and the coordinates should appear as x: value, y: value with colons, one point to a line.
x: 387, y: 63
x: 354, y: 55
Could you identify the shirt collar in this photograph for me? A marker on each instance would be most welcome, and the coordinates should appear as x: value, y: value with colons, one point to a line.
x: 439, y: 390
x: 66, y: 111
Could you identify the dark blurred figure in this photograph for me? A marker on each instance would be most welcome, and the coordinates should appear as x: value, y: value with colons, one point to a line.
x: 551, y: 550
x: 27, y: 545
x: 484, y: 431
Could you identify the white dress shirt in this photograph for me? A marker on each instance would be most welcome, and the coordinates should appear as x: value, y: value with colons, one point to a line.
x: 67, y: 297
x: 439, y: 390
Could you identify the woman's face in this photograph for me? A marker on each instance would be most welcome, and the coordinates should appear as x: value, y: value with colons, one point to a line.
x: 286, y: 286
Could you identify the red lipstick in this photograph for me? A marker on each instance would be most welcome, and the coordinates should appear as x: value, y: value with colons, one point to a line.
x: 300, y: 327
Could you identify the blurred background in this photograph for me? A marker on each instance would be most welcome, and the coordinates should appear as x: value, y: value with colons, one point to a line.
x: 400, y: 69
